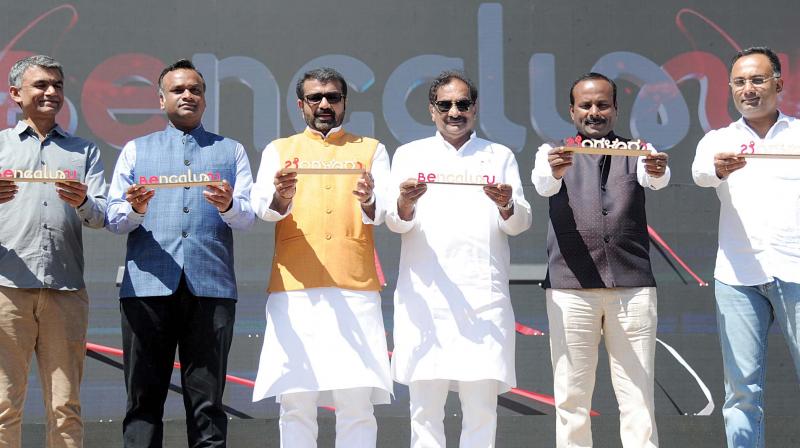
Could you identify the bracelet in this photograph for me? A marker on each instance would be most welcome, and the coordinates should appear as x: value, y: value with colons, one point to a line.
x: 370, y: 201
x: 506, y: 207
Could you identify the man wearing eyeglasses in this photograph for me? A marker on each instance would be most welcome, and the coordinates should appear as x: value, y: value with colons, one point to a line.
x: 757, y: 274
x: 324, y: 342
x: 599, y: 280
x: 453, y: 321
x: 44, y: 307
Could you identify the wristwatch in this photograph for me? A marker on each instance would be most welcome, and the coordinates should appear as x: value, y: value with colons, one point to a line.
x: 508, y: 206
x: 370, y: 201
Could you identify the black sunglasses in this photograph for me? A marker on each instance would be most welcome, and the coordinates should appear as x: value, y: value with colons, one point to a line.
x: 316, y: 98
x: 461, y: 105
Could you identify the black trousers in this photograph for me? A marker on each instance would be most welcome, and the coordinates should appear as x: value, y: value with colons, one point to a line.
x: 202, y: 329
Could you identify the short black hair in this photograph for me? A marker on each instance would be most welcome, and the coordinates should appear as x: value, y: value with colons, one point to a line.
x: 445, y: 77
x: 180, y: 64
x: 774, y: 60
x: 590, y: 76
x: 323, y: 75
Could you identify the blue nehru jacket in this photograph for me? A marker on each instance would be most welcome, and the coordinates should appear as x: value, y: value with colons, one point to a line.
x: 181, y: 232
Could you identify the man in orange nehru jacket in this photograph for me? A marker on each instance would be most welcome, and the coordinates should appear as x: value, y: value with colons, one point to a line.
x: 324, y: 343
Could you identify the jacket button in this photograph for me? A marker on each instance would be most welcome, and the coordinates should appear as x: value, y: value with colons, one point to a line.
x: 327, y: 187
x: 606, y: 238
x: 328, y: 211
x: 328, y: 236
x: 603, y: 187
x: 185, y: 234
x: 605, y: 212
x: 187, y: 162
x: 185, y: 209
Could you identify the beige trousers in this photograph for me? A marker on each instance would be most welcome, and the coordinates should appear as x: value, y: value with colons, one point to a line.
x: 53, y: 324
x: 626, y: 318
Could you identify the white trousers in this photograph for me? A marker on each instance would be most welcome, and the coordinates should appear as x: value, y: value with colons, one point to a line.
x: 626, y: 318
x: 478, y: 407
x: 355, y: 422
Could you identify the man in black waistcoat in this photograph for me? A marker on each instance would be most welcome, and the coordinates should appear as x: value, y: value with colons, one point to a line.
x: 599, y: 280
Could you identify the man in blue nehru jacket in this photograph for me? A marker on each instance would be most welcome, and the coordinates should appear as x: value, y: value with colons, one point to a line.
x: 179, y: 288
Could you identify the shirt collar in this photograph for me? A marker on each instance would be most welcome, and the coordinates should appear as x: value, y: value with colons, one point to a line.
x: 331, y: 133
x: 23, y: 127
x: 782, y: 118
x: 449, y: 146
x: 171, y: 129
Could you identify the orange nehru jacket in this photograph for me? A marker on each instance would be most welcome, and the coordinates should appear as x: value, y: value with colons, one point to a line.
x: 323, y: 242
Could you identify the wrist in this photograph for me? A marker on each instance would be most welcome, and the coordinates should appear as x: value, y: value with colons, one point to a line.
x: 506, y: 207
x: 369, y: 201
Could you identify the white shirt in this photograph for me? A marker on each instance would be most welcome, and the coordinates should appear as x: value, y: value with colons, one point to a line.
x: 547, y: 185
x: 309, y: 342
x: 453, y: 317
x: 759, y: 219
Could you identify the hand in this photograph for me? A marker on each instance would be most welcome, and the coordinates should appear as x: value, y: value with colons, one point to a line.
x: 727, y: 162
x: 656, y: 164
x: 220, y: 196
x: 139, y: 196
x: 285, y: 189
x: 500, y: 194
x: 364, y: 188
x: 559, y: 161
x: 410, y: 191
x: 73, y: 193
x: 8, y: 189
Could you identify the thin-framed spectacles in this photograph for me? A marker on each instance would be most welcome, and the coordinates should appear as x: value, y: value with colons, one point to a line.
x: 756, y: 81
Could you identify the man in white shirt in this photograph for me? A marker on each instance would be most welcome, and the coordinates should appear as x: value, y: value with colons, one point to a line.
x: 757, y: 274
x: 599, y: 279
x: 453, y: 321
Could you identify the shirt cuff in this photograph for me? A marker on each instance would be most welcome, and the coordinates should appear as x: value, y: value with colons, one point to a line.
x: 232, y: 212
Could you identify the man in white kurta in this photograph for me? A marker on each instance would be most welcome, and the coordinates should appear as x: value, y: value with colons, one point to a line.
x: 324, y: 344
x: 453, y: 321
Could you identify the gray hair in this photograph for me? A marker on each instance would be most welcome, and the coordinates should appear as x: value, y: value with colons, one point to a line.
x: 40, y: 60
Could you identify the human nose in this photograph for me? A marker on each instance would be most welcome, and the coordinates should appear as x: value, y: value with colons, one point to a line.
x: 453, y: 110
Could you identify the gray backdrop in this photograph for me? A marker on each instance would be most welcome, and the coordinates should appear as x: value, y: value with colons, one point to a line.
x: 669, y: 59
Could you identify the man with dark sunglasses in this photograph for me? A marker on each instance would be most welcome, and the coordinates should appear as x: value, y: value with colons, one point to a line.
x: 599, y: 280
x: 324, y: 343
x: 453, y: 321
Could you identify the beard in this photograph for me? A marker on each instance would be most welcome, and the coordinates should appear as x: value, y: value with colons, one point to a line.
x: 324, y: 120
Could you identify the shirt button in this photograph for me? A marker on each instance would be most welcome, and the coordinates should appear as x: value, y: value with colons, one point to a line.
x: 185, y: 234
x: 187, y: 162
x: 327, y: 187
x: 606, y: 238
x: 328, y: 211
x: 44, y: 226
x: 185, y: 209
x: 44, y: 203
x: 605, y: 212
x: 328, y: 236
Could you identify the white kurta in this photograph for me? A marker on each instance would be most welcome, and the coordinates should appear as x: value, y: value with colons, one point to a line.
x: 453, y: 317
x: 322, y: 339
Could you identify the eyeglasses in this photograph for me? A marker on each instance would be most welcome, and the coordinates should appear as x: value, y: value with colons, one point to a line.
x: 756, y: 81
x: 316, y: 98
x: 461, y: 105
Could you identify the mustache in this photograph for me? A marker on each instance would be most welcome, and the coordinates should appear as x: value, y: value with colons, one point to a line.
x: 455, y: 120
x: 595, y: 120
